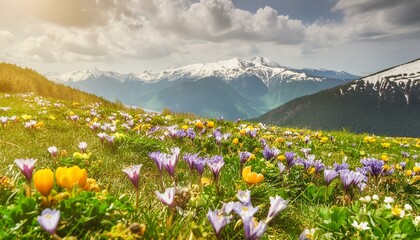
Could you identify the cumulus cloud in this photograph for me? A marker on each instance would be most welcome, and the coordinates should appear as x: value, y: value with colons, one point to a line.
x: 380, y: 18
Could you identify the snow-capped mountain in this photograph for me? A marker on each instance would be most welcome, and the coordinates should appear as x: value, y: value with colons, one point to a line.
x: 387, y: 102
x: 77, y: 76
x: 268, y: 71
x: 234, y: 88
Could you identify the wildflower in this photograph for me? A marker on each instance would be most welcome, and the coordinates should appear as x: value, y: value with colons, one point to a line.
x: 168, y: 197
x: 68, y: 177
x: 351, y: 178
x: 375, y: 197
x: 190, y: 158
x: 215, y: 164
x: 253, y: 230
x: 244, y: 197
x: 210, y: 124
x: 290, y: 159
x: 133, y: 174
x: 338, y: 167
x: 198, y: 124
x: 307, y: 234
x: 49, y: 220
x: 416, y: 221
x: 217, y: 220
x: 388, y: 200
x: 244, y: 157
x: 329, y: 175
x: 318, y: 166
x: 251, y: 177
x: 235, y: 141
x: 53, y: 151
x: 270, y: 153
x: 171, y: 160
x: 26, y: 166
x: 82, y: 146
x: 385, y: 145
x: 361, y: 227
x: 277, y: 204
x: 398, y: 212
x: 199, y: 165
x: 374, y: 166
x: 245, y: 212
x: 408, y: 207
x: 281, y: 167
x: 43, y: 181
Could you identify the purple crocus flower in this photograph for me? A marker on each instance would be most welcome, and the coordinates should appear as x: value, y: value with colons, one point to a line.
x: 199, y: 165
x: 168, y: 197
x: 254, y: 231
x: 277, y: 204
x: 171, y: 160
x: 245, y: 212
x: 215, y: 164
x: 338, y: 167
x: 374, y: 166
x: 403, y: 164
x: 252, y: 133
x: 49, y: 220
x: 190, y: 158
x: 351, y: 178
x: 83, y: 146
x: 405, y: 154
x: 244, y: 156
x: 157, y: 157
x: 270, y: 153
x: 218, y: 220
x: 53, y: 151
x: 289, y: 144
x: 244, y: 197
x: 281, y: 167
x: 26, y: 166
x: 133, y: 173
x: 318, y: 166
x: 308, y: 162
x: 290, y: 159
x: 191, y: 133
x: 329, y: 175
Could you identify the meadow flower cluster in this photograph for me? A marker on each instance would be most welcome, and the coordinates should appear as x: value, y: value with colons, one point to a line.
x: 124, y: 173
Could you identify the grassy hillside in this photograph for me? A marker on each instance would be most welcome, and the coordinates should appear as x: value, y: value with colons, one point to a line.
x: 381, y: 200
x: 14, y: 79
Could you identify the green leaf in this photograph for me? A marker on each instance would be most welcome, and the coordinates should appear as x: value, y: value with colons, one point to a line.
x: 407, y: 226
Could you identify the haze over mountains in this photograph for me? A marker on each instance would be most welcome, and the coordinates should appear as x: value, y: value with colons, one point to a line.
x: 234, y: 88
x: 385, y: 103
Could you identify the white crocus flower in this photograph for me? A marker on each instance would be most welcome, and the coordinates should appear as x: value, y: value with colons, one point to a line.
x: 361, y: 227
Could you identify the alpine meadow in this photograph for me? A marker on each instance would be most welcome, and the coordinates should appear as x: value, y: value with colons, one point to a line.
x: 210, y: 119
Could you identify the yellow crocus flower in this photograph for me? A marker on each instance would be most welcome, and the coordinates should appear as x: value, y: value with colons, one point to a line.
x: 251, y: 177
x: 43, y: 181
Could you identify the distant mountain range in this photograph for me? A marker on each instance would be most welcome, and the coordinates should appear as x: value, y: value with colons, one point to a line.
x: 384, y: 103
x: 235, y: 88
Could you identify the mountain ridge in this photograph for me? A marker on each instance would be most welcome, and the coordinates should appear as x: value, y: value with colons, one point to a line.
x: 386, y: 102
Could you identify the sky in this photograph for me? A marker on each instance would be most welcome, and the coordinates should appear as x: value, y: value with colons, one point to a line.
x: 358, y: 36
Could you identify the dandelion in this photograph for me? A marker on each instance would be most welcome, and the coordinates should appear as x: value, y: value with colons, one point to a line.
x: 49, y: 220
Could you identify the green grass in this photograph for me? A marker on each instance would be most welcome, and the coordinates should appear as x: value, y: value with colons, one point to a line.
x: 106, y: 162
